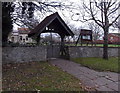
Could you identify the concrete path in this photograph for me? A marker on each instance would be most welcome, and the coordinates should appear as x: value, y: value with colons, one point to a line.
x: 100, y: 81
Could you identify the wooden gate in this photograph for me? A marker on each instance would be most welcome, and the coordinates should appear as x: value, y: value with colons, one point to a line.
x: 56, y: 51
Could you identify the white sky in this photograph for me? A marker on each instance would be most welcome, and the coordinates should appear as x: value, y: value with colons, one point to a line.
x: 66, y: 16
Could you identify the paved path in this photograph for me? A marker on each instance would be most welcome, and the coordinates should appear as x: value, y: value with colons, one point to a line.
x: 101, y: 81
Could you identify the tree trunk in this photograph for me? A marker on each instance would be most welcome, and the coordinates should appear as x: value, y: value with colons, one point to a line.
x: 106, y: 30
x: 105, y: 46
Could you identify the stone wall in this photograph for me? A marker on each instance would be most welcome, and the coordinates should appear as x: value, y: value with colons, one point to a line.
x: 91, y: 52
x: 42, y: 53
x: 23, y: 54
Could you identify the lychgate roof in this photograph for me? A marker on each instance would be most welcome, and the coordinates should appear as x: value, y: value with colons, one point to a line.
x: 55, y: 24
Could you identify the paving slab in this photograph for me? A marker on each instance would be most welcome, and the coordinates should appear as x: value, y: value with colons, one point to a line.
x: 101, y: 81
x: 103, y: 88
x: 113, y: 86
x: 112, y: 76
x: 85, y: 80
x: 91, y: 76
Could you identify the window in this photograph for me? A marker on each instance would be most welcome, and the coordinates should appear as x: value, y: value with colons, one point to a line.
x: 26, y: 38
x: 21, y: 38
x: 111, y: 38
x: 89, y: 37
x: 86, y: 37
x: 12, y: 39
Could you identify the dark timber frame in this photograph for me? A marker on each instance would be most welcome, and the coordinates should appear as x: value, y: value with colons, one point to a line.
x: 55, y: 24
x: 85, y: 33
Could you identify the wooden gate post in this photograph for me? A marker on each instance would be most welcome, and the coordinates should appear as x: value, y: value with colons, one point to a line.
x: 38, y: 39
x: 62, y: 45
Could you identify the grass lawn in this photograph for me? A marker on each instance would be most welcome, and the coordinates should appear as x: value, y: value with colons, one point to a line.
x: 99, y: 63
x: 100, y: 45
x: 37, y: 76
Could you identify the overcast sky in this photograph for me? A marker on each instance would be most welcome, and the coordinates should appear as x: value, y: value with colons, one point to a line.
x: 66, y: 14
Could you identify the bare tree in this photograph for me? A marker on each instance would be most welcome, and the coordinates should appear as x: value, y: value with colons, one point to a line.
x: 30, y: 14
x: 117, y: 24
x: 25, y: 11
x: 96, y: 30
x: 104, y: 13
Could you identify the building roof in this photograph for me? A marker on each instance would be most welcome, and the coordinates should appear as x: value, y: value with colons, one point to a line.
x: 55, y: 24
x: 14, y: 33
x: 23, y: 30
x: 116, y: 34
x: 85, y: 32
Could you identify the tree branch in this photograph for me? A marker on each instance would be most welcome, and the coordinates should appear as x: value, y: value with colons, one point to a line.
x: 113, y: 10
x: 114, y: 20
x: 93, y: 17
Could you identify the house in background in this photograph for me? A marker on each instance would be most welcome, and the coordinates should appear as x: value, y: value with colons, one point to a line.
x: 20, y: 36
x: 114, y: 38
x: 13, y: 37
